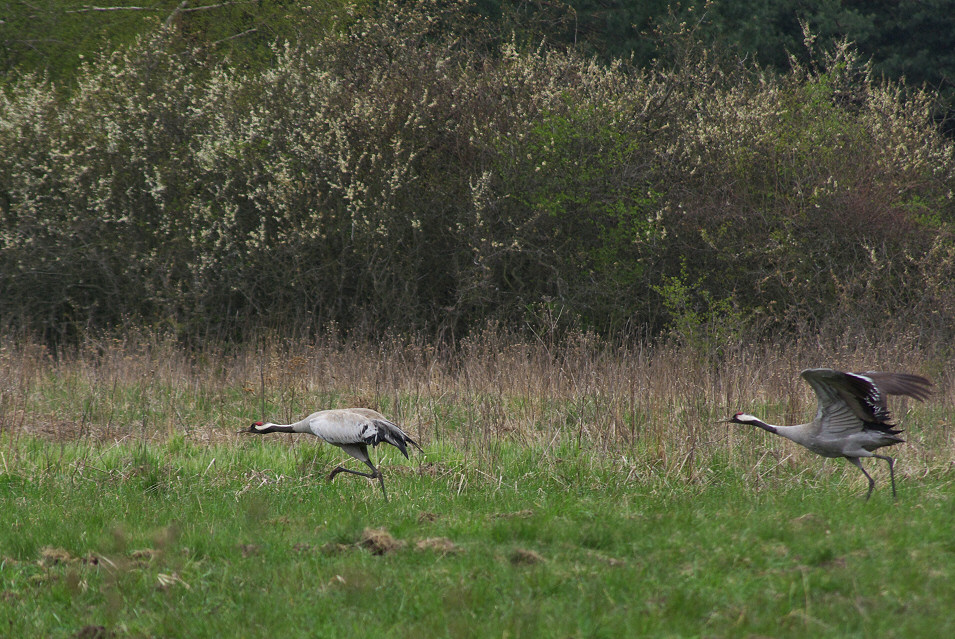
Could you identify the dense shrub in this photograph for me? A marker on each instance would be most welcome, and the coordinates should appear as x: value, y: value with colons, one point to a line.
x: 416, y: 172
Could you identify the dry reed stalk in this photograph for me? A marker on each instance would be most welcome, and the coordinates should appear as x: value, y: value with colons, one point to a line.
x: 652, y: 405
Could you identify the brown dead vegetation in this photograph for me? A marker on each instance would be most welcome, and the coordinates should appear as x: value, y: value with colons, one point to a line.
x: 379, y: 541
x: 440, y: 545
x: 652, y: 406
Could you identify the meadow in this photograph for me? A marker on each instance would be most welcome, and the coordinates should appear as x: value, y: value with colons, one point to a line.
x: 580, y: 488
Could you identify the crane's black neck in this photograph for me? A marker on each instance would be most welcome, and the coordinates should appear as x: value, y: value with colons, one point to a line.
x: 270, y: 428
x: 761, y: 424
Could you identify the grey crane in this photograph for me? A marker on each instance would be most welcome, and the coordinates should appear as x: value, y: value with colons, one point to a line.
x: 852, y: 419
x: 352, y: 430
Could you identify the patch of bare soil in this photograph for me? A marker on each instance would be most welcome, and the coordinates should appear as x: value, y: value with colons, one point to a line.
x: 520, y: 514
x: 379, y: 541
x: 50, y: 556
x: 522, y: 556
x: 93, y: 632
x: 441, y: 545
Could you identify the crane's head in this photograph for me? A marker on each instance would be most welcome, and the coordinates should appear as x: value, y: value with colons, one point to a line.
x: 742, y: 418
x: 258, y: 427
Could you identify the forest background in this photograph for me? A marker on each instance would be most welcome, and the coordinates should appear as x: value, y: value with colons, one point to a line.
x: 703, y: 170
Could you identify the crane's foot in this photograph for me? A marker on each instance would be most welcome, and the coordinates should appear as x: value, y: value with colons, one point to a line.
x: 891, y: 462
x: 381, y: 480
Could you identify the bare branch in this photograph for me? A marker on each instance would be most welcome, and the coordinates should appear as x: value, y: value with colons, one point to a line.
x: 89, y: 9
x: 233, y: 37
x: 182, y: 8
x: 176, y: 12
x: 216, y: 6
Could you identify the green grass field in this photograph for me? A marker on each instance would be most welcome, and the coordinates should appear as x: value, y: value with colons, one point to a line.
x: 132, y: 508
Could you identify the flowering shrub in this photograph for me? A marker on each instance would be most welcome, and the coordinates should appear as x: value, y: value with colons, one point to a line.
x: 416, y: 172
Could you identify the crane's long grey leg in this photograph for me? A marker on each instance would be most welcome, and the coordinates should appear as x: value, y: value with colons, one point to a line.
x: 342, y: 469
x: 891, y: 469
x: 858, y: 464
x: 372, y: 475
x: 381, y: 479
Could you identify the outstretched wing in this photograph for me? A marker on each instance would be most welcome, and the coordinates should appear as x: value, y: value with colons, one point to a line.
x: 913, y: 386
x: 853, y: 401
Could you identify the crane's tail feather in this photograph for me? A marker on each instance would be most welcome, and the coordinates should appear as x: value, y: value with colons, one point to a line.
x: 392, y: 434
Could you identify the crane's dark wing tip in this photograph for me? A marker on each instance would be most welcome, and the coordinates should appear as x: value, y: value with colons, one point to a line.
x: 392, y: 434
x: 404, y: 439
x: 914, y: 386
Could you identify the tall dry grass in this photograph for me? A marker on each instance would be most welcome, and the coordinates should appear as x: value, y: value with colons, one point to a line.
x: 651, y: 407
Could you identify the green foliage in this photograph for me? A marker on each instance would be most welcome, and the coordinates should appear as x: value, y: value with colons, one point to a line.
x: 910, y: 40
x: 55, y: 38
x: 581, y: 211
x: 696, y: 320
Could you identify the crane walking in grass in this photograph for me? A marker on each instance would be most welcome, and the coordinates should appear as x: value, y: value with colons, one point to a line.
x: 852, y: 419
x: 352, y: 430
